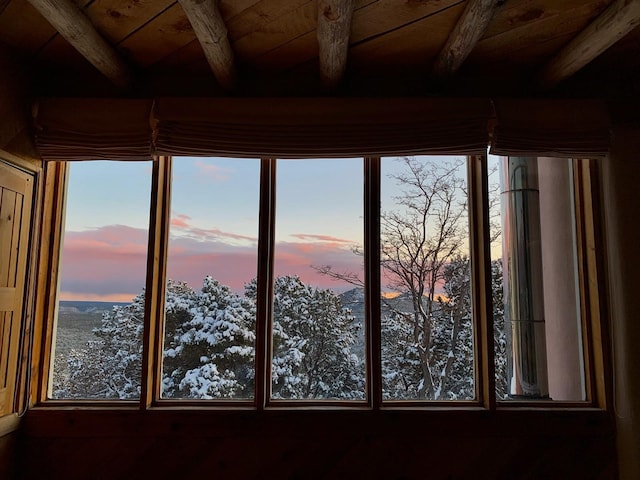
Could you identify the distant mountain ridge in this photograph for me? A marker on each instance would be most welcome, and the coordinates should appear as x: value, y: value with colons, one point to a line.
x: 352, y: 299
x: 87, y: 306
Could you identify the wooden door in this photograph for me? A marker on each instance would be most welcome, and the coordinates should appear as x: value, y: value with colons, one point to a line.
x: 16, y: 192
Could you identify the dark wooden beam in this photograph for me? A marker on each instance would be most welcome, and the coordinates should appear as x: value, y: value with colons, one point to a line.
x: 615, y: 22
x: 334, y: 28
x: 464, y: 37
x: 71, y: 22
x: 211, y: 31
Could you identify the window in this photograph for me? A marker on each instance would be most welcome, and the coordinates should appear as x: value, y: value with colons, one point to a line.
x: 210, y: 314
x: 426, y: 315
x: 329, y: 282
x: 318, y: 330
x: 97, y: 347
x: 538, y: 332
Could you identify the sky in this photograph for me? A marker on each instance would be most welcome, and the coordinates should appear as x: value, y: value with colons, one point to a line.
x: 214, y: 223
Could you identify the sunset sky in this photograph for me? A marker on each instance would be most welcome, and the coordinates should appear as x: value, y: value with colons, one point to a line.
x: 214, y: 223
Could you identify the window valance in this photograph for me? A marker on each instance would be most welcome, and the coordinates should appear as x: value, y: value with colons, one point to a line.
x: 321, y: 127
x: 93, y: 129
x: 551, y: 128
x: 136, y: 129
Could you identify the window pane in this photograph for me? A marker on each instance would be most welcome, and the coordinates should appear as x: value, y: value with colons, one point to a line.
x: 318, y: 305
x: 210, y: 306
x: 537, y: 320
x: 427, y: 328
x: 98, y: 334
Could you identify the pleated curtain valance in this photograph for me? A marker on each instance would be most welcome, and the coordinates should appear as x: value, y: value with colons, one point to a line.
x: 551, y: 128
x: 93, y: 129
x: 139, y: 129
x: 321, y: 127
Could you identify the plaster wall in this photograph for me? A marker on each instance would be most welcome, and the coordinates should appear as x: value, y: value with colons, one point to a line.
x: 621, y: 195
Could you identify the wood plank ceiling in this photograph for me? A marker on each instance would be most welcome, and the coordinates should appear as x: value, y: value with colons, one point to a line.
x: 320, y: 47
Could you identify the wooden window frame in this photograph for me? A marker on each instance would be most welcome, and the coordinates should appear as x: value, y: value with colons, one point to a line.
x: 593, y: 304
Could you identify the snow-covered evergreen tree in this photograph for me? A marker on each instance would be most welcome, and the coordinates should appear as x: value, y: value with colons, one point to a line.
x: 109, y: 367
x: 209, y: 346
x: 499, y: 334
x: 211, y: 354
x: 401, y: 373
x: 313, y: 337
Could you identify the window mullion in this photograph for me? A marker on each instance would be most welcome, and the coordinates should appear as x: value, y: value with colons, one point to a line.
x: 372, y: 279
x: 481, y: 279
x: 592, y: 303
x: 266, y: 239
x: 156, y: 280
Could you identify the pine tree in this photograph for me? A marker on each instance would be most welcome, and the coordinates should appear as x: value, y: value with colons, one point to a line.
x: 214, y: 349
x: 109, y: 367
x: 313, y: 336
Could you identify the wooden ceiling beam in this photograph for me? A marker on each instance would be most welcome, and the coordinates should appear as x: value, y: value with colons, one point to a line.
x: 463, y: 38
x: 211, y: 31
x: 71, y: 22
x: 333, y: 31
x: 614, y: 23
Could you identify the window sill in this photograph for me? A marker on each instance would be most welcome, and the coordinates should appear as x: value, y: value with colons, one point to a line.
x: 66, y: 422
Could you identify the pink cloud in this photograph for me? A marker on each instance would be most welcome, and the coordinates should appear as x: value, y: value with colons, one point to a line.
x: 213, y: 172
x: 323, y: 238
x: 106, y: 261
x: 235, y: 266
x: 183, y: 223
x: 216, y: 233
x: 179, y: 220
x: 232, y: 269
x: 110, y: 262
x: 293, y: 258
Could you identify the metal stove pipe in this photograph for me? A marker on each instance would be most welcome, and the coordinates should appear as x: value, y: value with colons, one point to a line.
x: 522, y: 270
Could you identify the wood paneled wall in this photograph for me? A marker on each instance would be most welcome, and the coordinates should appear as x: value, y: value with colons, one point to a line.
x: 15, y: 109
x: 309, y: 445
x: 16, y: 146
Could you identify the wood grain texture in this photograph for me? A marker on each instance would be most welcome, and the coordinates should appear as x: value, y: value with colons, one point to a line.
x: 333, y: 31
x: 514, y: 15
x: 372, y: 21
x: 77, y: 29
x: 47, y: 271
x: 539, y: 34
x: 16, y: 190
x: 118, y: 19
x: 13, y: 19
x: 405, y: 46
x: 281, y: 31
x: 465, y: 35
x: 211, y: 31
x: 240, y: 22
x: 277, y: 39
x: 164, y: 34
x: 620, y: 18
